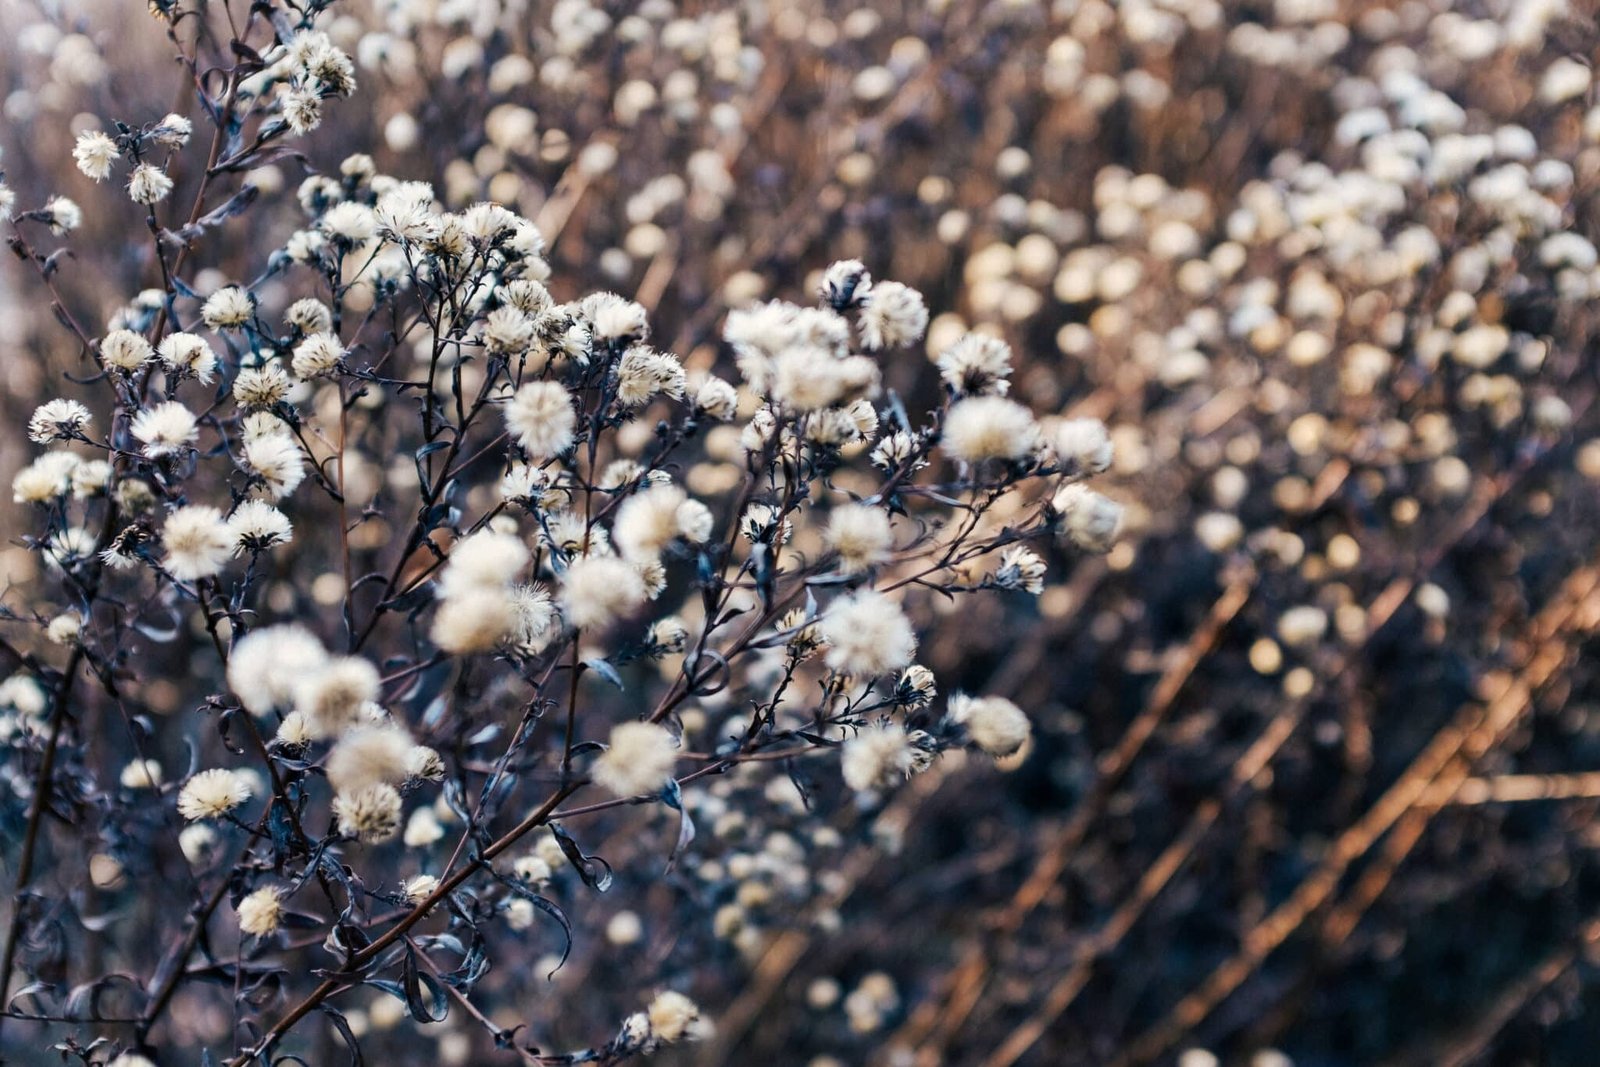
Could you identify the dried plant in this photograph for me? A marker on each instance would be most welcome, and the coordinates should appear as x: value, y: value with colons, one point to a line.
x: 380, y: 573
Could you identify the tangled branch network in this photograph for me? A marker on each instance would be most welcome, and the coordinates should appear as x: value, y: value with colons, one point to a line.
x: 436, y: 569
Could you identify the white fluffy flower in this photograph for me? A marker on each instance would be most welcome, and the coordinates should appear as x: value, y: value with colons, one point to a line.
x: 880, y: 755
x: 595, y: 590
x: 995, y: 724
x: 717, y: 399
x: 58, y: 420
x: 148, y: 184
x: 316, y: 356
x: 227, y: 308
x: 893, y: 316
x: 989, y: 427
x: 212, y: 794
x: 261, y: 387
x: 648, y: 522
x: 165, y: 429
x: 188, y: 354
x: 366, y: 755
x: 674, y: 1017
x: 487, y: 559
x: 260, y: 911
x: 639, y: 758
x: 45, y: 479
x: 371, y: 813
x: 1090, y: 521
x: 125, y: 350
x: 473, y: 620
x: 276, y: 458
x: 94, y: 153
x: 63, y: 215
x: 198, y: 542
x: 643, y: 373
x: 860, y: 535
x: 541, y: 417
x: 256, y: 526
x: 976, y: 365
x: 1084, y: 443
x: 335, y: 697
x: 266, y: 665
x: 867, y: 635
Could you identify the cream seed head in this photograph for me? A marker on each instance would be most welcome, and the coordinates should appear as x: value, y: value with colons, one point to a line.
x: 882, y: 755
x: 256, y: 526
x: 860, y: 535
x: 94, y: 153
x: 148, y: 184
x: 125, y: 350
x: 58, y: 420
x: 989, y: 427
x: 227, y: 308
x: 260, y: 911
x: 995, y: 725
x: 165, y: 430
x: 638, y: 759
x: 316, y: 356
x: 370, y: 814
x: 198, y: 542
x: 541, y: 419
x: 212, y: 794
x: 597, y: 590
x: 673, y: 1017
x: 334, y: 696
x: 265, y: 665
x: 188, y: 355
x: 365, y: 755
x: 867, y: 635
x: 277, y: 462
x: 1089, y: 520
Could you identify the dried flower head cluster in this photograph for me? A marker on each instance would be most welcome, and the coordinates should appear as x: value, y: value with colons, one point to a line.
x: 465, y: 569
x: 523, y: 542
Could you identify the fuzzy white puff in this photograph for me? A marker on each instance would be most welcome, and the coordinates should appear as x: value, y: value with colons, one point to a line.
x: 596, y: 590
x: 989, y: 427
x: 879, y: 755
x: 366, y: 755
x: 198, y: 541
x: 56, y: 421
x: 639, y: 759
x: 867, y: 634
x: 647, y: 522
x: 976, y: 365
x: 1083, y: 443
x: 260, y: 911
x: 995, y: 724
x: 267, y: 664
x: 227, y: 307
x: 894, y: 315
x: 371, y: 813
x: 861, y: 536
x: 125, y: 350
x: 256, y: 525
x: 277, y: 459
x: 487, y: 559
x: 212, y: 793
x: 1088, y: 520
x: 474, y: 619
x: 164, y: 429
x: 333, y: 698
x: 187, y: 353
x: 541, y: 417
x: 673, y: 1016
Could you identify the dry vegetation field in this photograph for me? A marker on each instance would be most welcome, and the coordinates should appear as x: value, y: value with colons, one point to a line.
x: 917, y: 534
